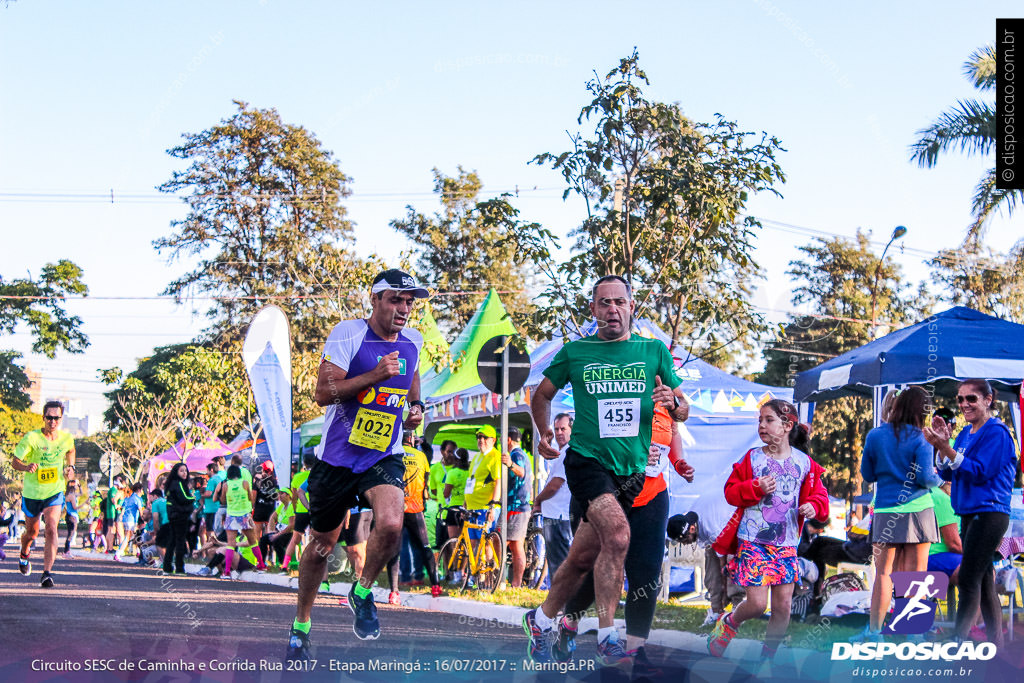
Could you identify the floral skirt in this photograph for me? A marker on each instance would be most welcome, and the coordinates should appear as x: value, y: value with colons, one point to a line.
x: 764, y: 565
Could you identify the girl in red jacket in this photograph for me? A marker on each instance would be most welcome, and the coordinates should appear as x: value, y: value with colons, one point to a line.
x: 774, y: 487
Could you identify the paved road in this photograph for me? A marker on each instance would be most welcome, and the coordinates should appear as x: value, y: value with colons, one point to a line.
x: 104, y: 615
x: 121, y: 615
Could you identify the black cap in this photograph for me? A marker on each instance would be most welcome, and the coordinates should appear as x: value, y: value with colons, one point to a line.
x: 678, y: 524
x: 399, y: 281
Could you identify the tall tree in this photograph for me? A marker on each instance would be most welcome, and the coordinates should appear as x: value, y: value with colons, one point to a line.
x: 665, y: 199
x: 464, y: 248
x: 266, y: 221
x: 39, y: 305
x: 265, y: 217
x: 830, y: 280
x: 983, y: 279
x: 970, y: 126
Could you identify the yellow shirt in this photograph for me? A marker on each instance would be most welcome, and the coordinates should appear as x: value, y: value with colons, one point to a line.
x: 48, y: 479
x: 416, y: 467
x: 483, y: 472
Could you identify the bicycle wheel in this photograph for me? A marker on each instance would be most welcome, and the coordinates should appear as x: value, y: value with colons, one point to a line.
x: 488, y: 576
x: 536, y: 559
x: 452, y: 564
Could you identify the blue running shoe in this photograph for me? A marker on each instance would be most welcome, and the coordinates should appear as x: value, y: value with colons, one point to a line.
x: 24, y: 566
x: 565, y: 644
x: 611, y: 652
x: 541, y: 641
x: 365, y: 626
x: 298, y: 646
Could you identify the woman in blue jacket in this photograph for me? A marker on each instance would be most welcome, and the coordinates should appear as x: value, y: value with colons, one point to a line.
x: 981, y: 463
x: 899, y: 462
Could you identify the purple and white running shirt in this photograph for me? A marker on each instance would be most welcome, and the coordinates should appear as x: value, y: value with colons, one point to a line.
x: 361, y: 431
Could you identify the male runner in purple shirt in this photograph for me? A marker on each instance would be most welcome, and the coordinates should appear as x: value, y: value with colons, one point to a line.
x: 368, y: 376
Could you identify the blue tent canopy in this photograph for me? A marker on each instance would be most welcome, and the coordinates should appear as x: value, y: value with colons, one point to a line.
x: 953, y: 345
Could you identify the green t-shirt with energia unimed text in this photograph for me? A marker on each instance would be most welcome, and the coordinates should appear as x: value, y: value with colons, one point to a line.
x: 612, y: 383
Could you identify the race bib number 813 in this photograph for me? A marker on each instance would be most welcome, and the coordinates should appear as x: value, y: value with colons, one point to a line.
x: 618, y: 417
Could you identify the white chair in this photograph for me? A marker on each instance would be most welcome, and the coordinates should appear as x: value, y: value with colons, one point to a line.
x: 1009, y: 580
x: 683, y: 555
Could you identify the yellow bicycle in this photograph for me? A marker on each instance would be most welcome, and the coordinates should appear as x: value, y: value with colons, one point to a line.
x: 463, y: 562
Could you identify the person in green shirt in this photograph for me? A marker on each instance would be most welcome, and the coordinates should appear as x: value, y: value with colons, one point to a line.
x: 238, y: 496
x: 47, y: 456
x: 616, y: 377
x: 434, y: 515
x: 945, y: 556
x: 282, y: 523
x: 455, y: 492
x: 299, y: 500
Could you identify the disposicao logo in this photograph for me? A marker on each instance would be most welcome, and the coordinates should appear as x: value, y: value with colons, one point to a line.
x: 947, y: 652
x: 915, y: 613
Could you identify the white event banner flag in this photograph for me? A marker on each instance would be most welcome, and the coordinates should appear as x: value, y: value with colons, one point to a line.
x: 268, y: 360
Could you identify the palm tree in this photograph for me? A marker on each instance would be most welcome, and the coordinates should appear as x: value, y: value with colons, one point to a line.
x: 970, y: 126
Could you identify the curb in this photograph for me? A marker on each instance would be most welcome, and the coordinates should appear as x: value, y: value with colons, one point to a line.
x: 484, y: 613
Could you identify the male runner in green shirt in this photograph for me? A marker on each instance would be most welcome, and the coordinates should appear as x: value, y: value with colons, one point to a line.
x: 47, y: 456
x: 616, y: 378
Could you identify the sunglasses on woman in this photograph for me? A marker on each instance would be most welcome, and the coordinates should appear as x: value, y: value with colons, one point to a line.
x: 969, y: 398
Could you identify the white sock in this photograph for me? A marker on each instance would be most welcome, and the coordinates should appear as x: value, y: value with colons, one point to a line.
x: 606, y: 631
x: 542, y: 620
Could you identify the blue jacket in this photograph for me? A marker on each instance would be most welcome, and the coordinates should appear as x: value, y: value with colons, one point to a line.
x: 904, y: 470
x: 984, y: 480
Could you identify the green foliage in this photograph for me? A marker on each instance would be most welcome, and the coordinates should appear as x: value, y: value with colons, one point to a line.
x: 464, y: 247
x: 970, y: 127
x: 40, y: 307
x: 265, y: 211
x: 665, y: 200
x: 88, y: 452
x: 14, y: 383
x: 266, y: 219
x: 39, y: 304
x: 14, y: 425
x: 210, y: 384
x: 985, y: 280
x: 836, y: 279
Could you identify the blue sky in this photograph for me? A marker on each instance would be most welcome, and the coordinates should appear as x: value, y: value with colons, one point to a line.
x: 93, y: 94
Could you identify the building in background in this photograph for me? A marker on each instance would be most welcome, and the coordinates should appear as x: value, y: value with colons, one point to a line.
x: 73, y: 422
x: 35, y: 390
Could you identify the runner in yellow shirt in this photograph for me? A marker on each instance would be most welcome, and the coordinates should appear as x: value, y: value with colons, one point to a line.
x: 47, y: 456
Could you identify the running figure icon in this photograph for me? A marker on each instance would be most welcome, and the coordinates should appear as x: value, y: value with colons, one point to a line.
x: 916, y: 605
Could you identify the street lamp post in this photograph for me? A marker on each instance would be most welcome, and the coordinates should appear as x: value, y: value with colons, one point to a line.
x: 897, y: 233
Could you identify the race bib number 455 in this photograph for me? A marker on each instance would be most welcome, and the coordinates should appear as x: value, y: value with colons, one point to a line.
x: 372, y: 429
x: 618, y: 417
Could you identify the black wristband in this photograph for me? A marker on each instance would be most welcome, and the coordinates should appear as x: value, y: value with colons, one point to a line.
x: 417, y: 402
